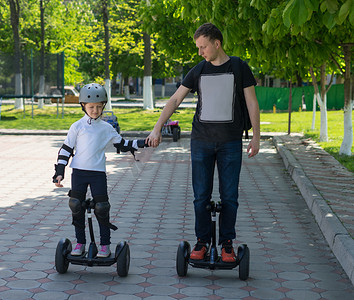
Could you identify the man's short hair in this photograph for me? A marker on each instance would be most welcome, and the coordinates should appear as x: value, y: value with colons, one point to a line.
x: 210, y: 31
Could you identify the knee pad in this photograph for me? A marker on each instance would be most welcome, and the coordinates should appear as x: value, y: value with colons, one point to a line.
x: 102, y: 208
x: 76, y: 202
x: 75, y: 206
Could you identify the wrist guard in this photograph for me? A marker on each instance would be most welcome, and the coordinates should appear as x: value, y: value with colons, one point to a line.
x: 141, y: 144
x: 59, y: 170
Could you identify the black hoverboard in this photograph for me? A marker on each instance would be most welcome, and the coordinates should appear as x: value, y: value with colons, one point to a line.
x: 212, y: 260
x: 89, y: 258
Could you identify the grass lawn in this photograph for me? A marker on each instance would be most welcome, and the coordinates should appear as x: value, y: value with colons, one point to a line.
x: 144, y: 120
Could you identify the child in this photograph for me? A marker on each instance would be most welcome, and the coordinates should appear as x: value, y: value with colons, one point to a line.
x: 89, y: 136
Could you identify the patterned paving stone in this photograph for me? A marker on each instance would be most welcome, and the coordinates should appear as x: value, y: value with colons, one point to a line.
x: 152, y: 204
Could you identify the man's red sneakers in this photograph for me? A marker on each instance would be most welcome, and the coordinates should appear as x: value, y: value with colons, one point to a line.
x: 227, y: 252
x: 199, y: 250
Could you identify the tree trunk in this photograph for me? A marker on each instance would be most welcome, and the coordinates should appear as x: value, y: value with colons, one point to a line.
x: 15, y: 19
x: 107, y: 79
x: 18, y: 91
x: 41, y: 91
x: 298, y: 80
x: 323, y: 107
x: 153, y: 88
x: 107, y: 86
x: 126, y: 88
x: 314, y: 112
x: 163, y: 89
x: 41, y: 65
x: 345, y: 148
x: 289, y: 106
x: 322, y: 101
x: 324, y: 124
x: 147, y: 85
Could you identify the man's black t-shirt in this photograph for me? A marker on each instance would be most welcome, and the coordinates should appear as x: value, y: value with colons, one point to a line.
x: 218, y: 116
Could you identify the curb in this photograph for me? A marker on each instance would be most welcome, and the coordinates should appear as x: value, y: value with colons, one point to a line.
x: 338, y: 238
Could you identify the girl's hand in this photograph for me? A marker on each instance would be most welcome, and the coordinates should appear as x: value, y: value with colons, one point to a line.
x: 59, y: 179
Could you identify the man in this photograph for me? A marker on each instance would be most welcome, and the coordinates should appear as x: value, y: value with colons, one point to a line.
x: 216, y: 136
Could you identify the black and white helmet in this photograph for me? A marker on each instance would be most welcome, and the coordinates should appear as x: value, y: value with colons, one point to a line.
x: 93, y: 93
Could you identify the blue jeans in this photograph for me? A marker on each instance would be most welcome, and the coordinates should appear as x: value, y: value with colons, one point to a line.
x: 228, y: 158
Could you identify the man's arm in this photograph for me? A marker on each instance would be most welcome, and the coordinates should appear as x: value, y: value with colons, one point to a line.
x: 253, y: 110
x: 154, y: 138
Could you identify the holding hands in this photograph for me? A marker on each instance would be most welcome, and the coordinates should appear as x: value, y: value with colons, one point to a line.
x: 154, y: 138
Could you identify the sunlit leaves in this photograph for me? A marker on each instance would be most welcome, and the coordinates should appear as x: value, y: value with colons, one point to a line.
x: 330, y: 5
x: 262, y: 31
x: 297, y: 12
x: 346, y: 10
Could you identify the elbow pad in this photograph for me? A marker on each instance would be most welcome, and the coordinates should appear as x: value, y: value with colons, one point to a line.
x: 65, y: 152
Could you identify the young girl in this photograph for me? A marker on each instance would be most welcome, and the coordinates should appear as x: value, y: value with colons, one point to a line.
x: 89, y: 136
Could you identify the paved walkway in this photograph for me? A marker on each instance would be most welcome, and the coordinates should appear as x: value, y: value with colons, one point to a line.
x: 328, y: 190
x: 152, y: 206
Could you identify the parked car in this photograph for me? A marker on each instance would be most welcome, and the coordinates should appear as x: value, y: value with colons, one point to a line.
x: 71, y: 94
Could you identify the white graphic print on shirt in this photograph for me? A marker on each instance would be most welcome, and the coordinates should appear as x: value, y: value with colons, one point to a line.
x: 217, y: 97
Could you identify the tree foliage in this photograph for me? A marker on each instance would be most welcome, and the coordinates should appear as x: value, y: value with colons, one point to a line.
x: 285, y: 38
x: 280, y: 37
x: 175, y: 40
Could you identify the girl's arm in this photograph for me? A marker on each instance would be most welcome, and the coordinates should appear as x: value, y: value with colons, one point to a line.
x: 64, y: 154
x: 130, y: 145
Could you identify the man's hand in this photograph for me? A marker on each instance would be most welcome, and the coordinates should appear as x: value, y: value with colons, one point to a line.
x: 253, y: 147
x: 154, y: 138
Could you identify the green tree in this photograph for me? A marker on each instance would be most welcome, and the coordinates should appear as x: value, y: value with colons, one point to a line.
x: 6, y: 35
x: 15, y: 10
x: 286, y: 38
x: 127, y: 29
x: 304, y: 53
x: 176, y: 39
x: 127, y: 44
x: 335, y: 20
x: 68, y: 27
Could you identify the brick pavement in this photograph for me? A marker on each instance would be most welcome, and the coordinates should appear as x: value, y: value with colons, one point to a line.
x: 328, y: 190
x: 333, y: 181
x: 152, y: 206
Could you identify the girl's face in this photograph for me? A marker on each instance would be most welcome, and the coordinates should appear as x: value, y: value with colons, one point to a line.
x: 94, y: 110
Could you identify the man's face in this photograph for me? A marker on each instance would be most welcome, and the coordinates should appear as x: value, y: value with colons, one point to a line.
x: 207, y: 48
